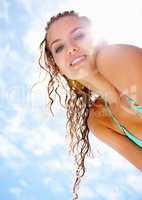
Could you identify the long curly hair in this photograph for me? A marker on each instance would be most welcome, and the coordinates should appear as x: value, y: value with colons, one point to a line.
x: 78, y: 100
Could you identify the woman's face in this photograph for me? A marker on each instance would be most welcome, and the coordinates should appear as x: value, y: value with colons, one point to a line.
x: 71, y: 44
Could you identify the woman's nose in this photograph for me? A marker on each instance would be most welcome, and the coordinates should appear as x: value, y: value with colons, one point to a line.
x: 72, y: 49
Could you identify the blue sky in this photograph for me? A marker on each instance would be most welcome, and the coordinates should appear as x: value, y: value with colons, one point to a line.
x: 34, y: 159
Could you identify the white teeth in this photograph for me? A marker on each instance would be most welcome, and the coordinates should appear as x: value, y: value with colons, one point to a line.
x: 77, y: 60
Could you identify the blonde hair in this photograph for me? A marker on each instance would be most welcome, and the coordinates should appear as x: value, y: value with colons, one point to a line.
x: 77, y: 102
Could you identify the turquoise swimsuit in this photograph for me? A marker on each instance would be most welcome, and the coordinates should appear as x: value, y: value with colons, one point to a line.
x: 134, y: 106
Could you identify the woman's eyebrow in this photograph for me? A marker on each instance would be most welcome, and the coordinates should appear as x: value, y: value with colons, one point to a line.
x: 57, y: 40
x: 72, y: 31
x: 79, y: 27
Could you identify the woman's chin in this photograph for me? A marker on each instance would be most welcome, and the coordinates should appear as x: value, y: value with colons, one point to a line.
x: 82, y: 74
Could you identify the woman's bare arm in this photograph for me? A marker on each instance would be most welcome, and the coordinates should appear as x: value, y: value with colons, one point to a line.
x: 118, y: 142
x: 121, y: 65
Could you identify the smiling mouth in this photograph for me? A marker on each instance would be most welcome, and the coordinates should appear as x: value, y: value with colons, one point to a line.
x: 78, y: 60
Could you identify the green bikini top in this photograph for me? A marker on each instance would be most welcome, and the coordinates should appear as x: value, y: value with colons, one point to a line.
x: 135, y: 107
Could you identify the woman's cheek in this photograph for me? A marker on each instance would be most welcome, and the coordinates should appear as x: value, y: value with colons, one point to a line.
x: 57, y: 60
x: 87, y: 45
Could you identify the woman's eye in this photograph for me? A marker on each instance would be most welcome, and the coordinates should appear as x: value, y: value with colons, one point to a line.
x: 79, y: 36
x: 58, y: 49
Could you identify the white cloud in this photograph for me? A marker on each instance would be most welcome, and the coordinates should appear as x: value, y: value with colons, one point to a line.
x: 58, y: 164
x: 4, y: 52
x: 47, y: 180
x: 86, y: 192
x: 16, y: 191
x: 33, y: 38
x: 14, y: 124
x: 27, y: 4
x: 58, y: 188
x: 23, y: 183
x: 134, y: 181
x: 41, y: 141
x: 54, y: 185
x: 9, y: 150
x: 36, y: 31
x: 4, y: 6
x: 2, y: 90
x: 108, y: 191
x: 13, y: 57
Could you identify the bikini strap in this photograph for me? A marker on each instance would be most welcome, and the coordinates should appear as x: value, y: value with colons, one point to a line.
x: 134, y: 105
x: 111, y: 114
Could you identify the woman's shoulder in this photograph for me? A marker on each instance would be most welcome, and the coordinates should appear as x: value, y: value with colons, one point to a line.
x: 117, y: 54
x: 118, y: 49
x: 121, y: 65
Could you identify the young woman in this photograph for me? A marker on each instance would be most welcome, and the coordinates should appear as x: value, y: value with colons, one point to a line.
x: 114, y: 72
